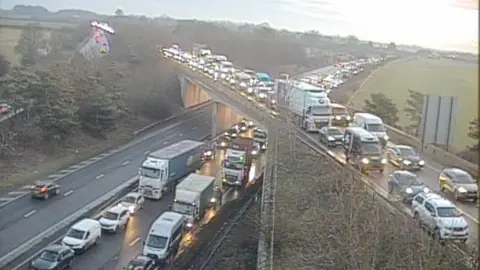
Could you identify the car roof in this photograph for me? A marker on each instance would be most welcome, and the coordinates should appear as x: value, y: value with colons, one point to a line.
x: 116, y: 209
x: 55, y: 248
x: 42, y: 182
x: 133, y: 194
x: 86, y: 222
x: 401, y: 146
x: 429, y: 195
x: 403, y: 172
x: 455, y: 171
x: 440, y: 202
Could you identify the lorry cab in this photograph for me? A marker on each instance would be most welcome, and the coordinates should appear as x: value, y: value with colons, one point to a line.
x: 372, y: 124
x: 264, y: 77
x: 260, y: 138
x: 237, y: 162
x: 340, y: 116
x: 363, y: 150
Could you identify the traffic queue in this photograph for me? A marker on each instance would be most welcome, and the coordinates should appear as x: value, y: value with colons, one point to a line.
x: 171, y: 169
x: 361, y: 137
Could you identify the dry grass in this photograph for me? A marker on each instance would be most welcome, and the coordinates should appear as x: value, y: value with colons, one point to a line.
x: 41, y: 165
x: 41, y: 24
x: 325, y: 219
x: 442, y: 77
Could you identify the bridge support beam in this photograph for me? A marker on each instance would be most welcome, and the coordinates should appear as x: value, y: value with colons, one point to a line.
x: 191, y: 93
x: 214, y: 120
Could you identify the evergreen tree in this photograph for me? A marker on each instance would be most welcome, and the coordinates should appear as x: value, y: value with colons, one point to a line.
x: 380, y: 105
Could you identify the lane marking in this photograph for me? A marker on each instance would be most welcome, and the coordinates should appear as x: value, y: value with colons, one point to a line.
x: 68, y: 193
x: 100, y: 176
x: 146, y: 152
x: 125, y: 163
x: 30, y: 213
x: 135, y: 241
x: 165, y: 142
x: 180, y: 135
x: 16, y: 193
x: 194, y: 128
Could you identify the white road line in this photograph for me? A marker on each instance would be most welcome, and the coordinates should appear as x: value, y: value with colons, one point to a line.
x: 180, y: 135
x: 194, y: 128
x: 30, y: 213
x: 165, y: 142
x: 16, y: 193
x: 100, y: 176
x: 146, y: 152
x: 68, y: 193
x: 125, y: 163
x: 135, y: 241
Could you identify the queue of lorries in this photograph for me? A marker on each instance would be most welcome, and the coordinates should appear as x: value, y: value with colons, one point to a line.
x: 362, y: 136
x: 169, y: 169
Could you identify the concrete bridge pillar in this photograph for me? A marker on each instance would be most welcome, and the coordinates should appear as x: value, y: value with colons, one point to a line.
x: 214, y: 120
x: 191, y: 93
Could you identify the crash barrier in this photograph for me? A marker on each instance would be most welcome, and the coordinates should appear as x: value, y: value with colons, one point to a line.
x: 224, y: 95
x: 430, y: 151
x: 196, y: 107
x: 22, y: 255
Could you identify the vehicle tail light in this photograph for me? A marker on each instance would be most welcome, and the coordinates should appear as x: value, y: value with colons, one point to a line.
x: 43, y: 190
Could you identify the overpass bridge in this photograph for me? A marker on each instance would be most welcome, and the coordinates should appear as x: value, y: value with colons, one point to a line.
x: 196, y: 88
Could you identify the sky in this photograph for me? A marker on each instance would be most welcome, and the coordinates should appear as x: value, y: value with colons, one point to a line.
x: 439, y: 24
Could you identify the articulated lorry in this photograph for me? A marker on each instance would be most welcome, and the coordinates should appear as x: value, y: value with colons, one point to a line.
x: 193, y: 196
x: 238, y: 160
x: 162, y: 169
x: 309, y: 104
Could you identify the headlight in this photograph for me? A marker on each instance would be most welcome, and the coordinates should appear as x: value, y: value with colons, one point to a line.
x: 421, y: 163
x: 462, y: 190
x: 223, y: 144
x: 208, y: 153
x: 365, y: 161
x: 189, y: 225
x: 330, y: 138
x: 213, y: 200
x: 426, y: 190
x: 244, y: 128
x: 383, y: 161
x: 338, y: 117
x: 348, y: 117
x: 264, y: 146
x: 234, y: 135
x: 249, y: 90
x: 131, y: 209
x: 407, y: 162
x: 273, y: 101
x: 386, y: 137
x: 408, y: 190
x: 250, y: 123
x: 262, y: 95
x: 254, y: 152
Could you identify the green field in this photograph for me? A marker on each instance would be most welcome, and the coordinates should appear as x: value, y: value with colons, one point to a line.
x: 434, y: 77
x: 10, y: 31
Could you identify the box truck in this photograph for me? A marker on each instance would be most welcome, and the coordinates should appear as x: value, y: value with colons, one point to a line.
x: 237, y: 162
x: 193, y: 196
x: 162, y: 169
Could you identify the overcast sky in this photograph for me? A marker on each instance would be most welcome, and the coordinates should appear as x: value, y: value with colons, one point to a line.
x: 438, y: 24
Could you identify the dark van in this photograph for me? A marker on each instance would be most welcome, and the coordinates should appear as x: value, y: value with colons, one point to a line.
x: 363, y: 150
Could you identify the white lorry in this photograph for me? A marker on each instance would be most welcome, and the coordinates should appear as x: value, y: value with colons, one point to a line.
x: 193, y: 196
x: 161, y: 170
x: 309, y: 104
x: 237, y: 162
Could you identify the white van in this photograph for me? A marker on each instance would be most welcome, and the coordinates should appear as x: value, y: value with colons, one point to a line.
x: 372, y: 124
x: 164, y: 236
x: 83, y: 234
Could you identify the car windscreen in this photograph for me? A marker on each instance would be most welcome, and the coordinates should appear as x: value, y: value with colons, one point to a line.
x: 447, y: 212
x: 406, y: 152
x: 48, y: 255
x: 339, y: 111
x: 157, y: 241
x: 233, y: 165
x: 129, y: 199
x: 463, y: 179
x: 376, y: 128
x: 111, y: 216
x: 74, y: 233
x: 149, y: 172
x: 334, y: 132
x: 371, y: 148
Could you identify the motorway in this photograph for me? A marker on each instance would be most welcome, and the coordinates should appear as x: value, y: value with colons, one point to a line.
x: 116, y: 250
x: 25, y: 218
x: 429, y: 175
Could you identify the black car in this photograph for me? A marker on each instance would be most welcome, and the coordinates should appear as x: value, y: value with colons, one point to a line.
x: 242, y: 126
x: 406, y: 185
x: 54, y: 257
x: 44, y: 190
x: 223, y: 141
x: 404, y: 157
x: 233, y: 131
x: 331, y: 136
x: 141, y: 262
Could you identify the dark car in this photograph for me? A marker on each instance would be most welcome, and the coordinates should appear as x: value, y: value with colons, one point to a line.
x: 54, y: 257
x: 340, y: 116
x: 242, y: 126
x: 458, y: 182
x: 405, y: 184
x: 331, y: 136
x: 233, y: 131
x: 404, y: 157
x: 44, y: 190
x: 141, y: 262
x: 223, y: 141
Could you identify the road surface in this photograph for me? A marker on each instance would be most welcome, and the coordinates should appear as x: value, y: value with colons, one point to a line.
x: 115, y: 251
x: 25, y: 218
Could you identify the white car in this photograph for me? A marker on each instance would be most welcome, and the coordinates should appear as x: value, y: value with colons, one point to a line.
x: 440, y: 217
x: 115, y: 218
x: 133, y: 201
